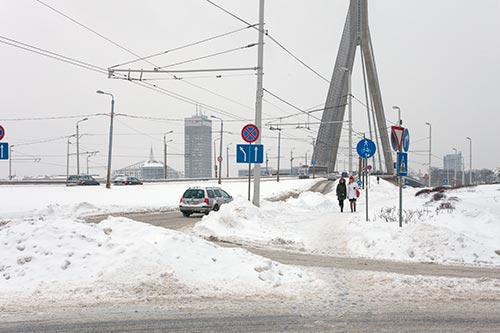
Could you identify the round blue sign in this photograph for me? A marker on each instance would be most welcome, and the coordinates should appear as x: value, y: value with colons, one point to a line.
x: 366, y: 148
x: 406, y: 140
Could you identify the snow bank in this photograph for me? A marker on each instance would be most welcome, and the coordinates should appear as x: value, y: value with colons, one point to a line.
x: 57, y: 256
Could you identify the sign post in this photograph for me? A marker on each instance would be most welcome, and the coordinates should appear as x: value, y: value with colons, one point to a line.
x: 249, y: 133
x: 366, y: 148
x: 400, y: 140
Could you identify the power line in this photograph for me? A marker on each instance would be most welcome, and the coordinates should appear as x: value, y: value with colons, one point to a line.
x: 53, y: 118
x: 271, y: 38
x: 184, y: 46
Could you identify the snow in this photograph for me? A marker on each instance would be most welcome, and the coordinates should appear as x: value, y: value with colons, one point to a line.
x: 47, y: 249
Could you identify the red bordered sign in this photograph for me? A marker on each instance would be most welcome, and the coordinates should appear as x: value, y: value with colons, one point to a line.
x: 2, y: 132
x: 250, y: 133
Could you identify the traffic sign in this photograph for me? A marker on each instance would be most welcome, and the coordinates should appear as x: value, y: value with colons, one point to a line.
x: 4, y: 150
x: 250, y: 133
x: 366, y: 148
x: 397, y: 137
x: 406, y: 140
x: 313, y: 162
x: 219, y: 159
x: 2, y: 132
x: 249, y: 153
x: 360, y: 183
x: 402, y: 168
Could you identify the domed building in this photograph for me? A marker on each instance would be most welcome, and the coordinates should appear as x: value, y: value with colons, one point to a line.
x: 150, y: 169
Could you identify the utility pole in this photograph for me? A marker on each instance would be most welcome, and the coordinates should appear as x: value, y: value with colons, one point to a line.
x: 349, y: 96
x: 10, y: 161
x: 470, y: 160
x: 78, y: 146
x: 291, y: 161
x: 227, y: 159
x: 165, y: 167
x: 110, y: 149
x: 258, y: 102
x: 430, y: 154
x: 279, y: 150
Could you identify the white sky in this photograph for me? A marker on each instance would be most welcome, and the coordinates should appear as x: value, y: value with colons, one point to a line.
x: 437, y: 60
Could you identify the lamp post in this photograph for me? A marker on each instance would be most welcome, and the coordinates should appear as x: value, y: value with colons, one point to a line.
x: 279, y: 151
x: 110, y: 150
x: 267, y: 161
x: 215, y: 162
x: 291, y: 160
x: 430, y: 146
x: 165, y: 169
x: 78, y: 146
x: 455, y: 167
x: 227, y: 159
x: 10, y: 161
x: 470, y: 160
x: 67, y: 156
x: 219, y: 158
x: 395, y: 107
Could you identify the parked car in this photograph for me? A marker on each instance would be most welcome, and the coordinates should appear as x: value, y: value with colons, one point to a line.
x: 126, y: 180
x: 81, y: 180
x: 333, y: 176
x: 203, y: 200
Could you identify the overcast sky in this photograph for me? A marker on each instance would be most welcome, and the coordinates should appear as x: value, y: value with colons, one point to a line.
x: 437, y: 60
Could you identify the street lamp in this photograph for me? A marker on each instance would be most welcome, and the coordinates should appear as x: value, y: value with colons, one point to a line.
x: 291, y: 160
x: 110, y: 150
x: 267, y: 161
x: 67, y: 156
x: 455, y: 167
x: 78, y: 146
x: 430, y: 145
x: 395, y: 107
x: 215, y: 153
x: 10, y: 161
x: 470, y: 160
x: 165, y: 173
x: 227, y: 159
x: 219, y: 158
x: 279, y: 150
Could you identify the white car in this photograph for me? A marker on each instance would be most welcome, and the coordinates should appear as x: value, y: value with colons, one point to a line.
x: 203, y: 200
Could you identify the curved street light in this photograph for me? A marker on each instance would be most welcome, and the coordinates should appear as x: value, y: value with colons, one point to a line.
x: 108, y: 176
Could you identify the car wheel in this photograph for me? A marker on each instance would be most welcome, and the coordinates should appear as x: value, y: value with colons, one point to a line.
x: 186, y: 214
x: 216, y: 207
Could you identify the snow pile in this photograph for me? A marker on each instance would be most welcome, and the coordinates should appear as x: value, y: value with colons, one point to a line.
x: 57, y: 256
x: 462, y: 227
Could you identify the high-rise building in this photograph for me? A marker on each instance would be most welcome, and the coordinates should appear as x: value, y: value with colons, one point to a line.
x: 453, y: 162
x: 198, y: 147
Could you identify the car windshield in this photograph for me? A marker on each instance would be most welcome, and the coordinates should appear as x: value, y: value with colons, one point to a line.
x: 193, y: 193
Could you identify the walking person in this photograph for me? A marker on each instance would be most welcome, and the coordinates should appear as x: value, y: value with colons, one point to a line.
x: 352, y: 193
x: 341, y: 193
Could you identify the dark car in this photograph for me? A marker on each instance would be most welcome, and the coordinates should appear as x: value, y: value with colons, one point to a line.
x: 203, y: 200
x: 81, y: 180
x: 126, y: 180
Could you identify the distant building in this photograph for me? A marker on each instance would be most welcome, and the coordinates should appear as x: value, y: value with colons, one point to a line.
x: 150, y: 169
x: 198, y: 147
x: 453, y: 161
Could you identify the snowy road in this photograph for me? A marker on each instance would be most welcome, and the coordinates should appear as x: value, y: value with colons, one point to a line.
x: 175, y: 221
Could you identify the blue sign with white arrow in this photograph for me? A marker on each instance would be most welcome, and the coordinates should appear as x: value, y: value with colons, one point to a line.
x: 250, y: 153
x: 366, y: 148
x: 4, y: 150
x: 406, y: 140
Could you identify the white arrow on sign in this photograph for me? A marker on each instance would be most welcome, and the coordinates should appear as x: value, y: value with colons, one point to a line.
x: 1, y: 151
x: 255, y: 156
x: 244, y: 154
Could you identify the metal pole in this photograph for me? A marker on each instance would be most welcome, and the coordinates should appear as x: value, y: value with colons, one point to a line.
x: 291, y: 161
x: 164, y: 156
x: 77, y: 150
x: 279, y: 146
x: 108, y: 176
x: 258, y: 102
x: 366, y: 188
x: 227, y: 160
x: 455, y: 168
x: 470, y: 160
x: 67, y: 159
x: 430, y: 154
x: 220, y: 151
x: 10, y: 162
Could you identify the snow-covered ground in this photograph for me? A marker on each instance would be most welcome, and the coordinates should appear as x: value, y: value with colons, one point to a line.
x: 46, y: 248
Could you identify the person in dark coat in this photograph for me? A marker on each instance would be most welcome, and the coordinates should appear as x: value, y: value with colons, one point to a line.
x: 341, y: 193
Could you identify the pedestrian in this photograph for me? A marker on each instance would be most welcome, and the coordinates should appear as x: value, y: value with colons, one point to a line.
x: 341, y: 193
x: 352, y: 193
x: 378, y: 180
